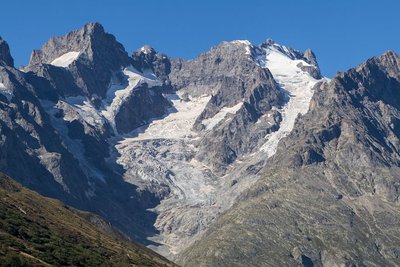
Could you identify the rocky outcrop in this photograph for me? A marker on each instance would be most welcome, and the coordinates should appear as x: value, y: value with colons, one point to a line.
x: 30, y: 141
x: 5, y: 54
x: 148, y: 59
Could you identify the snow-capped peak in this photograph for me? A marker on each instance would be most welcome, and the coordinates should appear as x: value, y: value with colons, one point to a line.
x: 245, y: 43
x: 291, y: 53
x: 146, y: 49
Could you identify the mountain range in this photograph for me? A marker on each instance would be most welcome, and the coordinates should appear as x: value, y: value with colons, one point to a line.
x: 243, y: 156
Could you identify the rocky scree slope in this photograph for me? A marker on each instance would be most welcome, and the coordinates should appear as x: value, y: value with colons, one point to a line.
x: 330, y: 194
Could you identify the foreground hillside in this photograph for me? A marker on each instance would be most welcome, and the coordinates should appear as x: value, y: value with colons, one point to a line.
x: 37, y: 231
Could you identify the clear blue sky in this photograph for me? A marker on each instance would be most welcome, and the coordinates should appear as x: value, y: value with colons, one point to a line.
x: 342, y: 33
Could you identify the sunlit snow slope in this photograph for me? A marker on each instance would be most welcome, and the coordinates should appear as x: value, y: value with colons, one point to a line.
x: 297, y: 84
x: 178, y: 123
x: 66, y: 59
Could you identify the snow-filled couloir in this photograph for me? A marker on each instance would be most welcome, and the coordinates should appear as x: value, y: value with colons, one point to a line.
x: 297, y: 85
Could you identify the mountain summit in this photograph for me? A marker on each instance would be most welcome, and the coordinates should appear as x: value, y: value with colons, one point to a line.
x: 5, y: 55
x: 91, y: 55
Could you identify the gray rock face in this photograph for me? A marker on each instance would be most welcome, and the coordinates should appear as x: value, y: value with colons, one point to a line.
x: 30, y: 147
x: 330, y: 195
x: 5, y: 54
x: 147, y: 101
x: 219, y: 69
x: 52, y: 82
x: 141, y: 106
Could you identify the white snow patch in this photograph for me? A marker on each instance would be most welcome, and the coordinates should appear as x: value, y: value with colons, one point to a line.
x: 8, y: 93
x: 298, y: 85
x: 212, y: 122
x: 178, y: 123
x: 66, y: 59
x: 145, y: 49
x: 246, y: 44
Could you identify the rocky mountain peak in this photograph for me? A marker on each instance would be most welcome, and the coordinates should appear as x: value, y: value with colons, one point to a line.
x: 310, y: 56
x: 391, y: 61
x: 148, y: 50
x: 144, y: 57
x: 91, y: 40
x: 94, y: 28
x: 5, y: 54
x: 309, y: 65
x: 90, y: 55
x: 147, y: 58
x: 376, y: 80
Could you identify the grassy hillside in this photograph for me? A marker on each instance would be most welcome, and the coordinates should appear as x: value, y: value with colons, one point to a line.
x: 38, y: 231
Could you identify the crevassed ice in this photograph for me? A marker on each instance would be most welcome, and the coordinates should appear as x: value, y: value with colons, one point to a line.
x: 178, y: 123
x: 66, y: 59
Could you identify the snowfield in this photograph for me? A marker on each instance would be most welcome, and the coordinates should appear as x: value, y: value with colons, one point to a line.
x: 297, y: 84
x: 178, y: 123
x: 66, y: 59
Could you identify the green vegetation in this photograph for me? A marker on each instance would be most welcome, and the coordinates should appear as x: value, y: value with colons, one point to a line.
x: 37, y: 231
